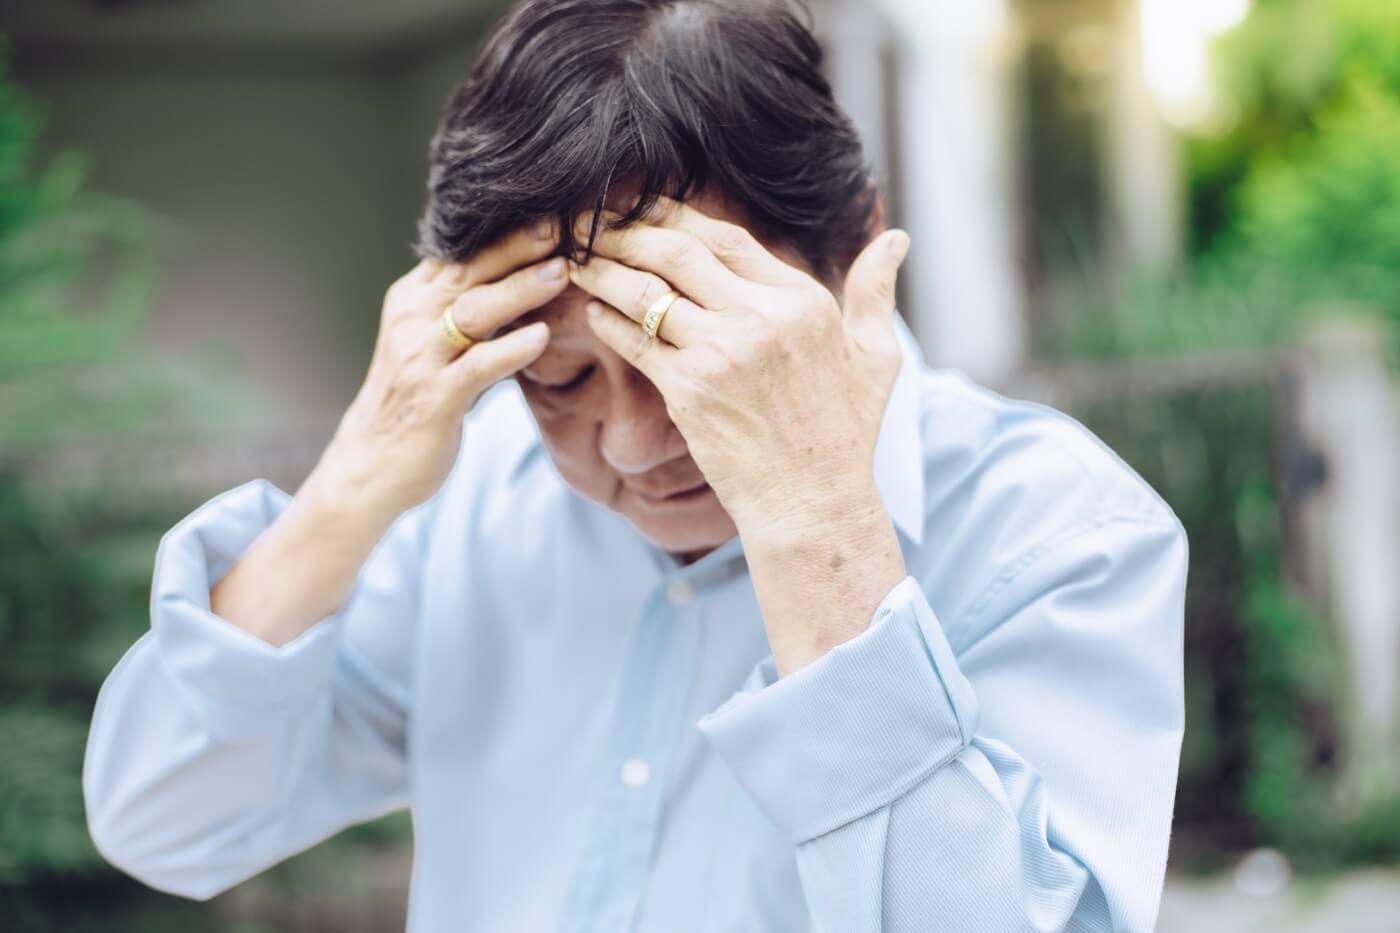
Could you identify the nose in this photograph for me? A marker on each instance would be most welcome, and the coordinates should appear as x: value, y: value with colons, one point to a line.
x: 637, y: 434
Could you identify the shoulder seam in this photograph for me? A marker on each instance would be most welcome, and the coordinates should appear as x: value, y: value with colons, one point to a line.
x: 1013, y: 571
x: 991, y: 401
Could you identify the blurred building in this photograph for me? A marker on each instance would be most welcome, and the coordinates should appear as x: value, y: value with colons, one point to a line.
x: 285, y: 144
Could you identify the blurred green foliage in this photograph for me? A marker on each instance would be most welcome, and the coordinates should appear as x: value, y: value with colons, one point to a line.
x: 76, y: 275
x: 80, y: 385
x: 1296, y: 214
x: 1295, y: 206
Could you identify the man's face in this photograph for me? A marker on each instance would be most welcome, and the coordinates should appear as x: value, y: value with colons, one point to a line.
x: 607, y: 430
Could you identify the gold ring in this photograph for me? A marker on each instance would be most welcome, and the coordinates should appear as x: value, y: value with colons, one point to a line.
x: 459, y: 340
x: 651, y: 323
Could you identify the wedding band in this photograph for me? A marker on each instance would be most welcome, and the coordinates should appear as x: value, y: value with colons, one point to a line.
x: 459, y: 340
x: 657, y: 312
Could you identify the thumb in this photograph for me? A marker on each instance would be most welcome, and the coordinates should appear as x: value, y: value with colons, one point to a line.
x: 870, y: 283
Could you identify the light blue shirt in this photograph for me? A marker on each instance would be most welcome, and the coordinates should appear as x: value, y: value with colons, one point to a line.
x: 592, y: 738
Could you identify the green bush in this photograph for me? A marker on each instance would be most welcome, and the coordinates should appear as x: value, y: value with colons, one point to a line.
x: 77, y: 377
x: 1297, y: 214
x: 76, y: 277
x: 1296, y: 209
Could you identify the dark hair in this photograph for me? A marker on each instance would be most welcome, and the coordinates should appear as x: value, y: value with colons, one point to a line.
x: 569, y: 97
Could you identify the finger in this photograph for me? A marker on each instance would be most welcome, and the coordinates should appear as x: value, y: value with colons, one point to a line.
x: 870, y: 283
x: 734, y: 246
x: 481, y: 311
x: 488, y: 362
x: 442, y: 273
x: 674, y: 255
x: 423, y: 273
x: 625, y: 338
x: 521, y: 247
x: 634, y: 293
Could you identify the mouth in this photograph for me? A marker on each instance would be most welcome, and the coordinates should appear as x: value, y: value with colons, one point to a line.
x: 674, y: 497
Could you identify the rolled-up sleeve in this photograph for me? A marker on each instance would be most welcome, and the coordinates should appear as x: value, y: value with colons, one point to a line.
x: 239, y: 684
x: 855, y: 730
x: 213, y: 754
x: 1023, y: 782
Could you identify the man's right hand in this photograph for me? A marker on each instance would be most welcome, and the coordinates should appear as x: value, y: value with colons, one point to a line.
x: 398, y: 440
x: 400, y: 437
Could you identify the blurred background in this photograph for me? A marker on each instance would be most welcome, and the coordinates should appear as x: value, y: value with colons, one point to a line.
x: 1179, y: 220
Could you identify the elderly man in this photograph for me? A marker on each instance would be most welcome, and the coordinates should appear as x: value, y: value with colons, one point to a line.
x: 723, y: 612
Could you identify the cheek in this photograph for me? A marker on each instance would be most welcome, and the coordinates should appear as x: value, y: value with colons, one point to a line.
x: 572, y: 439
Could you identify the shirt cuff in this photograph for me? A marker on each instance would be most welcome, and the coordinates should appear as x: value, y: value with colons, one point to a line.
x: 240, y: 684
x: 853, y: 731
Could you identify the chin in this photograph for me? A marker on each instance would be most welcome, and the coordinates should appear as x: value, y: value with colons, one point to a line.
x: 694, y: 533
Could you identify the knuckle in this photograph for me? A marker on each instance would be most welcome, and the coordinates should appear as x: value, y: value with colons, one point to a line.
x: 479, y: 368
x: 467, y: 311
x: 400, y: 301
x: 760, y: 328
x: 708, y: 369
x: 679, y: 249
x: 815, y: 298
x: 732, y: 241
x: 641, y: 346
x: 395, y: 293
x: 469, y: 370
x: 402, y: 333
x: 765, y: 341
x: 649, y: 291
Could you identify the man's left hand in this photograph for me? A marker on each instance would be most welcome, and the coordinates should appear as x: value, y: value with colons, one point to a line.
x: 777, y: 387
x: 779, y: 390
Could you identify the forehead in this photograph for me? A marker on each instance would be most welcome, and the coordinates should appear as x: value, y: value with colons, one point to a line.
x: 712, y: 201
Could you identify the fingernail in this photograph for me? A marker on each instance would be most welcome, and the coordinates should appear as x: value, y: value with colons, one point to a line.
x: 898, y: 245
x: 595, y: 309
x: 552, y: 271
x: 543, y: 229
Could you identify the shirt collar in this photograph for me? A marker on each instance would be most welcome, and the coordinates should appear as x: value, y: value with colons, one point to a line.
x: 899, y: 460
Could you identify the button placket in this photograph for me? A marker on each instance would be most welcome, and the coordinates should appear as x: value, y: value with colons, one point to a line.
x: 614, y: 867
x: 635, y: 772
x: 680, y: 592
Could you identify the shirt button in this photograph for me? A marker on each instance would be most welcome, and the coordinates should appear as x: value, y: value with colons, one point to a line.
x: 635, y: 772
x: 680, y: 592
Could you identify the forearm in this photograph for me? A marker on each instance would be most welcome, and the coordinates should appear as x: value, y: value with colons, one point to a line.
x: 820, y: 571
x: 304, y: 567
x: 213, y: 754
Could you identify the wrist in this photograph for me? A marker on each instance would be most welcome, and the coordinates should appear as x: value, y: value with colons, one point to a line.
x: 812, y: 513
x: 821, y: 571
x: 334, y: 500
